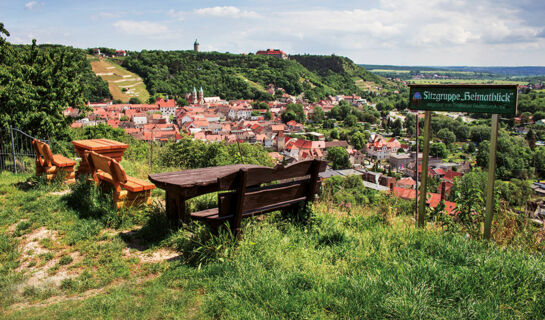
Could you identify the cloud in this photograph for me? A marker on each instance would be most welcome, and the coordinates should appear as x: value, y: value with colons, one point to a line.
x: 33, y: 5
x: 228, y: 11
x: 109, y: 15
x: 145, y: 28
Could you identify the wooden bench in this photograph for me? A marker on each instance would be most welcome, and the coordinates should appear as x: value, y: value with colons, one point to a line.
x: 248, y: 197
x: 136, y: 191
x: 52, y: 164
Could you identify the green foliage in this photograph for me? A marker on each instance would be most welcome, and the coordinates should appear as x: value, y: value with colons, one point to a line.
x: 189, y: 154
x: 513, y: 158
x: 225, y: 74
x: 134, y: 100
x: 339, y: 158
x: 37, y: 83
x: 350, y: 120
x: 539, y: 161
x: 318, y: 116
x: 439, y: 149
x: 446, y: 136
x: 358, y: 140
x: 294, y: 112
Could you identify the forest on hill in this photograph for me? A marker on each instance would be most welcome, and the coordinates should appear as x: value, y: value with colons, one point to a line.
x: 235, y: 76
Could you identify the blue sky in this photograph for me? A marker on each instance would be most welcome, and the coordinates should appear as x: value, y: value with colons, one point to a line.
x: 402, y: 32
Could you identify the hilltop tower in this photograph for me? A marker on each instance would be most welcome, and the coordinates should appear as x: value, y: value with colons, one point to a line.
x: 196, y: 46
x: 201, y: 96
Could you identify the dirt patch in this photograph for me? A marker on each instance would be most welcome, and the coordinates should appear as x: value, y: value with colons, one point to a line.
x: 156, y: 256
x: 37, y: 261
x: 61, y: 193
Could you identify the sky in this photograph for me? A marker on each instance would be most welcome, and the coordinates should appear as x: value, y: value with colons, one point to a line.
x: 391, y: 32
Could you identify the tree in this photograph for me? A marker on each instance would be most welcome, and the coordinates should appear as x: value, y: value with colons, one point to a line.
x: 182, y: 102
x: 525, y: 118
x: 439, y: 150
x: 539, y: 161
x: 446, y: 136
x: 350, y: 120
x: 38, y: 83
x: 329, y: 124
x: 480, y: 133
x: 339, y: 158
x: 318, y: 115
x: 135, y: 100
x: 294, y: 112
x: 513, y: 157
x: 358, y: 140
x: 531, y: 138
x: 268, y: 115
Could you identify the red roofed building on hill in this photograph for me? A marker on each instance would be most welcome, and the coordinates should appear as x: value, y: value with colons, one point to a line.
x: 273, y: 53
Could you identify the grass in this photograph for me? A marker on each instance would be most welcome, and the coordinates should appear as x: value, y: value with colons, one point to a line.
x: 106, y: 66
x: 367, y: 263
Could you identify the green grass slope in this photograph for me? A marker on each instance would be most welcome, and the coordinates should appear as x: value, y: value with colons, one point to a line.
x: 67, y: 255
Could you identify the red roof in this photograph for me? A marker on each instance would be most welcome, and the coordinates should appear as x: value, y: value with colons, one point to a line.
x: 271, y: 52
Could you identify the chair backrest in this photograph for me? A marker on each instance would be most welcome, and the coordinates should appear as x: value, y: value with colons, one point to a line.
x: 250, y: 197
x: 106, y: 164
x: 43, y: 152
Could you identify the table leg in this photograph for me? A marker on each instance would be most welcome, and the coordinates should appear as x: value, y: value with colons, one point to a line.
x: 175, y: 208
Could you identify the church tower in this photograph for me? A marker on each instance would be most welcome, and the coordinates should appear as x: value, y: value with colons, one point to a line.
x: 196, y: 46
x: 194, y: 96
x: 201, y: 96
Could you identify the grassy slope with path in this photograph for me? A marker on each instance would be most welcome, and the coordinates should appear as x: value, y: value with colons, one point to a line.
x: 121, y: 78
x: 131, y: 265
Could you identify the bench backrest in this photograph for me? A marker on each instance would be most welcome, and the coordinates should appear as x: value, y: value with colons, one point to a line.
x: 249, y: 197
x: 107, y: 165
x: 43, y: 152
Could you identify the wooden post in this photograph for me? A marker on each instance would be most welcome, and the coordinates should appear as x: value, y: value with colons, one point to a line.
x: 416, y: 166
x: 491, y: 177
x: 424, y: 176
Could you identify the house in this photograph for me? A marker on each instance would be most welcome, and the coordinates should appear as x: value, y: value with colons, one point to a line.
x: 120, y: 53
x: 277, y: 53
x: 380, y: 148
x: 407, y: 183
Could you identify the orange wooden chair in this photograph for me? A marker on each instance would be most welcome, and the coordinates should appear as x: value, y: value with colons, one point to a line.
x: 136, y: 191
x: 52, y: 164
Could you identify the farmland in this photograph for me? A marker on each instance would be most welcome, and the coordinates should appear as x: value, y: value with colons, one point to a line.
x: 122, y: 83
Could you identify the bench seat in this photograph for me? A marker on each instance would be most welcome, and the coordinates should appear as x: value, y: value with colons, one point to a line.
x: 132, y: 184
x: 53, y: 164
x: 61, y: 161
x: 128, y: 191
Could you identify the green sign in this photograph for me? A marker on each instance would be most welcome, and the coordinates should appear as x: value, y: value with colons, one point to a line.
x: 499, y: 99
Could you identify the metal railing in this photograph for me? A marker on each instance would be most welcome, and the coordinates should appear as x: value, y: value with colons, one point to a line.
x: 16, y: 151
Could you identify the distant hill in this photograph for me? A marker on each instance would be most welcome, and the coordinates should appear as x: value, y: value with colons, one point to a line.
x: 523, y: 71
x: 235, y: 76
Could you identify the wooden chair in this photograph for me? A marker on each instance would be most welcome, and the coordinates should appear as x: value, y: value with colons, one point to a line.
x: 136, y: 191
x: 52, y: 164
x: 250, y: 198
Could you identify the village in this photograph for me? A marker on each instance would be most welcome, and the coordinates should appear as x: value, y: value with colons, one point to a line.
x: 385, y: 164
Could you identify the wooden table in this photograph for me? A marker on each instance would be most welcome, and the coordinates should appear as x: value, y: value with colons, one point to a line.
x: 109, y: 148
x: 186, y: 184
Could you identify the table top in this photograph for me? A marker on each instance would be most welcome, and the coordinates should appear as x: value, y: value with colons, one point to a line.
x: 190, y: 178
x: 99, y: 144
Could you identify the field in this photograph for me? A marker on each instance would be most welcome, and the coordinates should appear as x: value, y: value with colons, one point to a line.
x: 119, y: 78
x: 65, y: 254
x: 465, y: 81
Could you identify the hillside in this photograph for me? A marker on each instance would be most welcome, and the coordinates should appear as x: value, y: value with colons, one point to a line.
x: 65, y: 254
x: 120, y: 79
x: 234, y: 76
